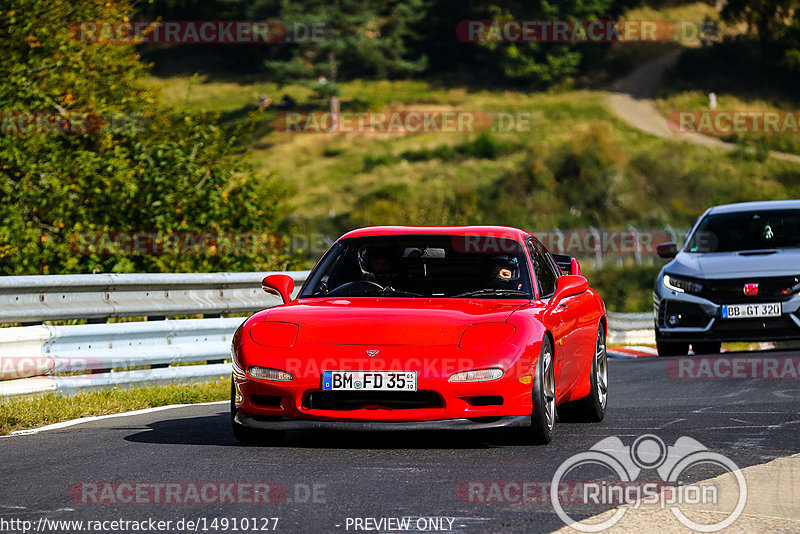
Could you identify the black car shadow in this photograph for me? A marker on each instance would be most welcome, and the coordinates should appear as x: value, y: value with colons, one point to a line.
x: 201, y: 430
x: 216, y: 430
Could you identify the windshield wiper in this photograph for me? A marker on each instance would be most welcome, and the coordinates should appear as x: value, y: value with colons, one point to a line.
x: 390, y: 290
x: 491, y: 292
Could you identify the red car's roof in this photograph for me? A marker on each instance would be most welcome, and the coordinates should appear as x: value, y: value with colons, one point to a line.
x: 493, y: 231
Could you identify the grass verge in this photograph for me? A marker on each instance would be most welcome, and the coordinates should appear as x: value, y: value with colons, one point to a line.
x: 32, y: 412
x: 765, y: 84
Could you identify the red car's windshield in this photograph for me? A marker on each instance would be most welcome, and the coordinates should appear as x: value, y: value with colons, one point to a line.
x: 429, y: 266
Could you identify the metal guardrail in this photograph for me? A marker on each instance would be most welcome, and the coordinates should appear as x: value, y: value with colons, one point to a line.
x: 68, y: 385
x: 34, y: 359
x: 41, y: 350
x: 631, y: 329
x: 25, y: 299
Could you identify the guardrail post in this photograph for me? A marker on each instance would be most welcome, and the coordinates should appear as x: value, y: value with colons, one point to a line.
x: 637, y: 246
x: 213, y: 316
x: 559, y: 240
x: 157, y: 318
x: 98, y: 320
x: 598, y: 248
x: 672, y: 234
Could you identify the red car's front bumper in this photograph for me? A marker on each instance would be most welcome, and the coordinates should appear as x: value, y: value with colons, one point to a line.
x: 266, y: 423
x: 438, y: 403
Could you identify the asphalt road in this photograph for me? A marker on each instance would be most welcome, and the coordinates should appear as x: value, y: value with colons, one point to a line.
x: 359, y: 475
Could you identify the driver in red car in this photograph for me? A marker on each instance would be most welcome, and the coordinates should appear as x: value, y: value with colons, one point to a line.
x: 504, y: 273
x: 378, y: 265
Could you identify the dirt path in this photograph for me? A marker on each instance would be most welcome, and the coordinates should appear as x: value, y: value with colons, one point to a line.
x: 631, y: 100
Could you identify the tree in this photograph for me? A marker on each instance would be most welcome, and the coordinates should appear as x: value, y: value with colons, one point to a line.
x: 382, y: 39
x: 359, y: 38
x: 542, y: 63
x: 767, y: 19
x: 158, y: 170
x: 776, y: 25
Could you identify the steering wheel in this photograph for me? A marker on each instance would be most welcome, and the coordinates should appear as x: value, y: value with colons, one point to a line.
x: 358, y: 286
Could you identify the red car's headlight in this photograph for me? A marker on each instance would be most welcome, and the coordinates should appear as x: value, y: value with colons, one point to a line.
x: 480, y: 375
x: 266, y: 373
x: 274, y: 334
x: 480, y: 335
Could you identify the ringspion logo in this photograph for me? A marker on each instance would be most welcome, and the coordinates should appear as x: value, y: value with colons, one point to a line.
x: 647, y: 453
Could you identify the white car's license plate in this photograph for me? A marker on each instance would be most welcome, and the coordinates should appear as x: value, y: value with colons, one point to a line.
x: 746, y: 311
x: 369, y: 380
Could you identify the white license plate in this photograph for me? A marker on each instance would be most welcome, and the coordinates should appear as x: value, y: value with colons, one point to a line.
x: 369, y: 380
x: 746, y: 311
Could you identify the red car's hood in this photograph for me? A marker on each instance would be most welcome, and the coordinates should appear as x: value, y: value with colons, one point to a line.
x: 389, y: 321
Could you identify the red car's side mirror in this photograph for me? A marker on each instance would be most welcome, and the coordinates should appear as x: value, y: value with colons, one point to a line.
x: 667, y: 250
x: 575, y: 268
x: 280, y: 285
x: 567, y: 286
x: 567, y: 264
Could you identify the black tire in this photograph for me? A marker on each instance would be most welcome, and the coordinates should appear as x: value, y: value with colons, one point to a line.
x: 543, y: 417
x: 707, y: 347
x: 592, y: 409
x: 246, y: 434
x: 672, y: 348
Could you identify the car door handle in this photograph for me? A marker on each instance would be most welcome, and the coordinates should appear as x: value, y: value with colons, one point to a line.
x: 563, y: 305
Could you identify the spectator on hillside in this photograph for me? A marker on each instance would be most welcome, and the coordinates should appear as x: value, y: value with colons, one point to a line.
x: 712, y: 101
x: 287, y: 102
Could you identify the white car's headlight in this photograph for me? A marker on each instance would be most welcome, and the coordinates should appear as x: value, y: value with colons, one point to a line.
x: 794, y: 289
x: 681, y: 284
x: 480, y: 375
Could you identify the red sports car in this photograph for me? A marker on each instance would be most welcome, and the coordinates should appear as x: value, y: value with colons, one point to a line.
x: 398, y: 327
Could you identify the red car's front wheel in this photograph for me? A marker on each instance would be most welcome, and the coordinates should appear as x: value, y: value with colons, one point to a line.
x: 592, y: 409
x: 543, y: 418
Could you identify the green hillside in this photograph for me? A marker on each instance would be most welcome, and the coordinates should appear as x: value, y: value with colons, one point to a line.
x: 576, y: 164
x: 211, y: 156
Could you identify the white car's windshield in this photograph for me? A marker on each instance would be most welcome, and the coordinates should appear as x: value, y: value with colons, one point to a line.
x: 422, y: 266
x: 751, y: 230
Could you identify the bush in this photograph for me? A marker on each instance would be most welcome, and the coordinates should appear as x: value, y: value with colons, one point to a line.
x: 173, y: 171
x: 486, y: 146
x: 625, y: 289
x: 371, y: 161
x: 483, y: 146
x: 332, y: 152
x: 589, y: 171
